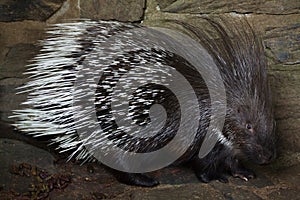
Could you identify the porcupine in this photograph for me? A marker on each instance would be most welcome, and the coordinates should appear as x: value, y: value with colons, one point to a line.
x: 248, y: 132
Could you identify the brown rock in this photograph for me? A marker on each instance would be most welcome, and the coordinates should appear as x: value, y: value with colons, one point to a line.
x: 16, y: 59
x: 11, y: 76
x: 283, y: 44
x: 285, y: 193
x: 236, y: 6
x: 70, y: 9
x: 16, y: 152
x: 20, y: 32
x: 121, y: 10
x: 164, y: 3
x: 190, y: 191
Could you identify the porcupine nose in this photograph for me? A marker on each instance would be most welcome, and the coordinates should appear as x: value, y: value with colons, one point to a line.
x: 266, y: 157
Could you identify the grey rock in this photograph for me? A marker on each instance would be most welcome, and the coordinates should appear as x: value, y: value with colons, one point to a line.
x: 13, y: 152
x: 40, y: 10
x: 283, y: 44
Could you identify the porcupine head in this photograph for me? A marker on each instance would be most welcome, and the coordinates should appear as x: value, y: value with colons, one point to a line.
x: 249, y: 124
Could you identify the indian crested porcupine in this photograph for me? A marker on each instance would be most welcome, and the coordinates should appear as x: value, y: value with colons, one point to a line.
x: 111, y: 90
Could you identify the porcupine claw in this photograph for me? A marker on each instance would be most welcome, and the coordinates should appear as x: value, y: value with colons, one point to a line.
x: 135, y: 179
x: 239, y: 171
x: 244, y: 174
x: 207, y: 177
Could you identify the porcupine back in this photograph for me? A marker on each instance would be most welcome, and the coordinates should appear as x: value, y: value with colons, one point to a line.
x: 52, y: 78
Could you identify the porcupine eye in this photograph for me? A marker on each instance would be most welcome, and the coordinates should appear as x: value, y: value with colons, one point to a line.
x: 249, y: 127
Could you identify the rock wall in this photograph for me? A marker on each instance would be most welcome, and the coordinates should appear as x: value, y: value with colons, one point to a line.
x: 22, y: 24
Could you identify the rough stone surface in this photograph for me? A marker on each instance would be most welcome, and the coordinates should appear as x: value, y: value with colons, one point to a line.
x: 16, y: 59
x: 277, y: 7
x: 70, y: 9
x: 12, y: 68
x: 13, y: 152
x: 123, y: 10
x: 92, y: 180
x: 18, y: 44
x: 189, y: 191
x: 40, y: 10
x: 164, y: 3
x: 19, y: 32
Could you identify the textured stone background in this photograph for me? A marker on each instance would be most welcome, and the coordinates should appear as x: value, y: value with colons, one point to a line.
x: 22, y: 24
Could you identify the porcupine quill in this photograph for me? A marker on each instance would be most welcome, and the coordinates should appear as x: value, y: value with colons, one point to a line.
x: 248, y: 132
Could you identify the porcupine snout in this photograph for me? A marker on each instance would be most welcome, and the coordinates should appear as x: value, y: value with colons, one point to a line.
x: 260, y: 153
x: 263, y: 152
x: 266, y: 156
x: 267, y: 153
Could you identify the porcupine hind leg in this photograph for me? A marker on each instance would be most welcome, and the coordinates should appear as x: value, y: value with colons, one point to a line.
x: 135, y: 179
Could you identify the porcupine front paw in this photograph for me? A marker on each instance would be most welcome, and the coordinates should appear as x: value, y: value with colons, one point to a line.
x: 206, y: 177
x: 135, y: 179
x: 239, y: 171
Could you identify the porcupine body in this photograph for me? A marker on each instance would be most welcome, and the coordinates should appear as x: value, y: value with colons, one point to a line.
x: 82, y: 63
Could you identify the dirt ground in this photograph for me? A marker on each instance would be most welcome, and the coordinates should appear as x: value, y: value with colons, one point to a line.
x: 28, y: 172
